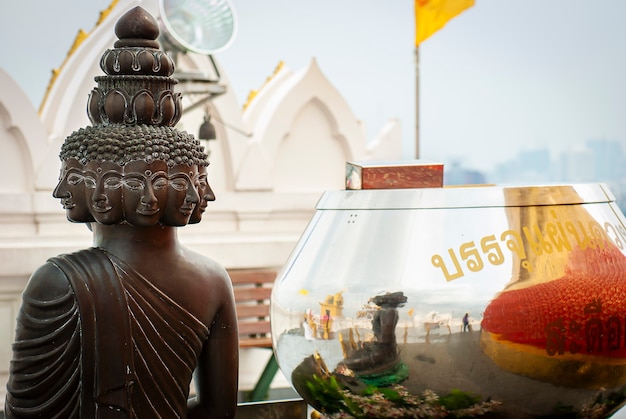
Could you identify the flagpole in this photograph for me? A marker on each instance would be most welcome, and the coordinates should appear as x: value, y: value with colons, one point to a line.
x: 417, y: 102
x: 430, y: 16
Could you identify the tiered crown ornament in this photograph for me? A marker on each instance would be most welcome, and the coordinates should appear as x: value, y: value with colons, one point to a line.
x: 134, y: 109
x: 137, y: 88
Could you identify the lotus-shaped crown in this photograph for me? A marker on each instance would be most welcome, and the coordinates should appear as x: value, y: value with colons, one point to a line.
x: 137, y: 87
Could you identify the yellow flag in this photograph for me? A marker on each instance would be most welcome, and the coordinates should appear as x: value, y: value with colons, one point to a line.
x: 432, y: 15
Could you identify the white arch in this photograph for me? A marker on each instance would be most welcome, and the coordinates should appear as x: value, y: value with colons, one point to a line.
x: 305, y: 103
x: 22, y: 136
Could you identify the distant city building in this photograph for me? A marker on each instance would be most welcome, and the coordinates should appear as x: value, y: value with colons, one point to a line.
x: 609, y: 160
x: 576, y: 165
x: 529, y: 166
x: 595, y: 161
x: 460, y: 176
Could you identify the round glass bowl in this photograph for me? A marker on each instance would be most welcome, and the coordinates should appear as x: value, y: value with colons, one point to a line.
x: 447, y: 302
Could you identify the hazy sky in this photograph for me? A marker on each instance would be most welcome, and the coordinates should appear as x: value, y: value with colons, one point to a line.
x: 503, y: 76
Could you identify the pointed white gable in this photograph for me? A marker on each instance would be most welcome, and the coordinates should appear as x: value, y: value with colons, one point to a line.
x: 306, y: 132
x: 388, y: 143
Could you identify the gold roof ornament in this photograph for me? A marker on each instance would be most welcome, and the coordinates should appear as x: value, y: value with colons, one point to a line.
x: 78, y: 40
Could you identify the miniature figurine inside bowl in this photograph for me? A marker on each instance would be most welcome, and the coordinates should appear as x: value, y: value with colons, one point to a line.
x: 505, y: 302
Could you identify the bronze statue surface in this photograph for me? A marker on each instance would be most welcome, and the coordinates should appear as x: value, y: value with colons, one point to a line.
x: 119, y: 330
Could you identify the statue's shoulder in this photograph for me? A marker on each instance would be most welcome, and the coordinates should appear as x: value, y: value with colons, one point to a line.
x: 47, y: 283
x: 207, y: 272
x: 51, y: 280
x: 205, y: 264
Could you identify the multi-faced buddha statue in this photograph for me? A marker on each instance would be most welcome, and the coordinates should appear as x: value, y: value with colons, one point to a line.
x: 120, y: 329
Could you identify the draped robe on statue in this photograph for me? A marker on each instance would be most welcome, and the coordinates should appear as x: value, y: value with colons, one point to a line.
x: 133, y: 348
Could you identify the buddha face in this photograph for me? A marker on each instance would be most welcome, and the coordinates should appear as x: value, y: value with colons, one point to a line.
x: 182, y: 195
x: 103, y: 183
x: 206, y: 194
x: 71, y: 191
x: 145, y: 192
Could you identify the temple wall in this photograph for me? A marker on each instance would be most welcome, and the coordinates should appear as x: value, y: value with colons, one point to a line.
x: 289, y: 146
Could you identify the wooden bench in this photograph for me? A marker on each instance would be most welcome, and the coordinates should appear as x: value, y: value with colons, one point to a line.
x: 252, y: 289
